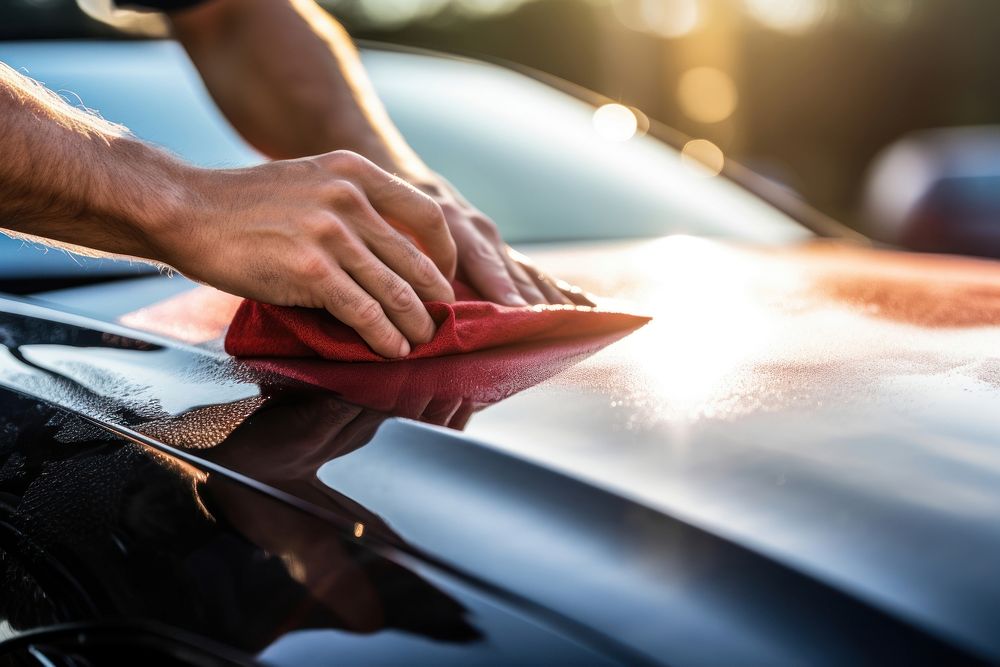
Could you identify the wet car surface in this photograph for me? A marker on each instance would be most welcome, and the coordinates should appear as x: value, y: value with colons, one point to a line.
x: 648, y: 511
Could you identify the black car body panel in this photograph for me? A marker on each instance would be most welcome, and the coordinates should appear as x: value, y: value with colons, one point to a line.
x: 101, y: 523
x: 631, y: 565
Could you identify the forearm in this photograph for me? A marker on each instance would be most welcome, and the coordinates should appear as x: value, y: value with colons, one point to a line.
x: 289, y: 79
x: 305, y: 93
x: 77, y: 180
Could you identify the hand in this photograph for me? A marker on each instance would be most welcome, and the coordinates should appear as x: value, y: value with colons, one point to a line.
x: 332, y: 231
x: 495, y: 270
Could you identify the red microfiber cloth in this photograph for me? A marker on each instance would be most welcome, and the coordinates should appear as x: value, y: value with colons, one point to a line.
x: 468, y: 325
x: 443, y: 390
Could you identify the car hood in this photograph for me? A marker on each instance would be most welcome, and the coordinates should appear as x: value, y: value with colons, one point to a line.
x: 835, y: 408
x: 823, y: 409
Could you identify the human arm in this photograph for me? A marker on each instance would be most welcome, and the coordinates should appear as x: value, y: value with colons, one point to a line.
x: 291, y: 82
x: 331, y: 231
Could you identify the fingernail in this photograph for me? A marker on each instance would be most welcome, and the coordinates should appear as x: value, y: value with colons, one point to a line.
x: 404, y: 349
x: 515, y: 299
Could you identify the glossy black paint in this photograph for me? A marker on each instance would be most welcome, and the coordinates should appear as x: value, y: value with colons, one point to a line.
x: 97, y: 528
x: 278, y: 523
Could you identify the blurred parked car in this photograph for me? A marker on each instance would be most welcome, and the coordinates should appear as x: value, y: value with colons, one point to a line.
x: 939, y: 191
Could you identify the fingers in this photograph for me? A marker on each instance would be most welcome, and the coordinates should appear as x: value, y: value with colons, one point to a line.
x: 389, y: 269
x: 545, y: 284
x: 499, y: 273
x: 543, y: 288
x: 397, y: 276
x: 358, y: 309
x: 484, y: 266
x: 490, y: 276
x: 575, y: 294
x: 397, y: 299
x: 402, y: 204
x: 526, y: 286
x: 554, y: 289
x: 552, y: 293
x: 400, y: 255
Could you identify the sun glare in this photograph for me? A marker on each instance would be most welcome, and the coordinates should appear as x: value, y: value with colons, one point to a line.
x: 615, y: 122
x: 705, y: 287
x: 703, y: 158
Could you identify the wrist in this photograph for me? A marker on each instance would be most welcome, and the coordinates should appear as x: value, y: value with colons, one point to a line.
x: 152, y: 199
x: 384, y: 146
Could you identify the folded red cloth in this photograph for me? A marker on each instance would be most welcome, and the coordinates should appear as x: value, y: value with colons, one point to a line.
x: 469, y: 324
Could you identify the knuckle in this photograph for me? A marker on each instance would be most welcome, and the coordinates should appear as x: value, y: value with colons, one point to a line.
x: 337, y: 298
x: 523, y: 280
x: 431, y: 189
x: 433, y: 214
x: 399, y: 295
x: 486, y: 227
x: 425, y: 273
x: 337, y: 234
x: 312, y: 266
x: 346, y: 161
x: 369, y: 314
x: 449, y: 209
x: 484, y: 253
x: 345, y: 195
x: 316, y: 225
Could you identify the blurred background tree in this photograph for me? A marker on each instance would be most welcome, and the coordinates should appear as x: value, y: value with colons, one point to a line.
x: 805, y: 92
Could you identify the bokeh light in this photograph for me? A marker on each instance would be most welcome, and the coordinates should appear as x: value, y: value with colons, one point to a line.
x: 707, y: 94
x: 892, y: 12
x: 666, y: 18
x: 485, y: 7
x: 391, y: 14
x: 400, y: 12
x: 789, y: 15
x: 703, y: 157
x: 615, y: 122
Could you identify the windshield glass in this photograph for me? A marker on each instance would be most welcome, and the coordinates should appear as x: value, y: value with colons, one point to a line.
x: 549, y: 167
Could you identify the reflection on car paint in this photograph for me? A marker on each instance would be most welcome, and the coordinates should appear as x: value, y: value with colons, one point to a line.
x: 166, y: 392
x: 110, y: 529
x: 48, y: 360
x: 199, y: 316
x: 110, y: 376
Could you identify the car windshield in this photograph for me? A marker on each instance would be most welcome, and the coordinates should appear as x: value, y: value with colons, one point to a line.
x: 545, y: 165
